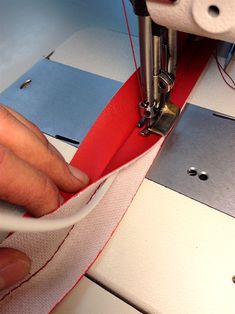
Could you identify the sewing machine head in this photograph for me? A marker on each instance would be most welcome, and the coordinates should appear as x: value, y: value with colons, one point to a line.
x: 159, y: 21
x: 208, y: 18
x: 193, y: 144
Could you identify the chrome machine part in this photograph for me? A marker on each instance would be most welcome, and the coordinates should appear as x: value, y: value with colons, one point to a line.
x: 165, y: 82
x: 146, y: 58
x: 167, y: 111
x: 172, y: 51
x: 158, y: 62
x: 198, y: 159
x: 168, y: 72
x: 146, y: 51
x: 159, y: 59
x: 165, y: 120
x: 156, y: 66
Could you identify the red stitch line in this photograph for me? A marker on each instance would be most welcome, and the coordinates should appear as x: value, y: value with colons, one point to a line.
x: 98, y: 253
x: 29, y: 278
x: 47, y: 262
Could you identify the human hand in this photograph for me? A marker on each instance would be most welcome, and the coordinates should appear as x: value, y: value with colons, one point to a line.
x: 32, y: 173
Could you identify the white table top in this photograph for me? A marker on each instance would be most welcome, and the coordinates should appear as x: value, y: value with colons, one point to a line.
x: 89, y: 298
x: 170, y: 254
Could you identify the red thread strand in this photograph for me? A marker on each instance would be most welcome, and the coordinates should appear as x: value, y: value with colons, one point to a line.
x: 132, y: 45
x: 224, y: 73
x: 129, y: 33
x: 40, y: 269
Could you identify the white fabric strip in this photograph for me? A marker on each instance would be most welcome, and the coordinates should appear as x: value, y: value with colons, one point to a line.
x: 78, y: 251
x: 83, y: 203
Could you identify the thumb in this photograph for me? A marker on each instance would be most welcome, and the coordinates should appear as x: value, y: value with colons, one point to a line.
x: 14, y: 266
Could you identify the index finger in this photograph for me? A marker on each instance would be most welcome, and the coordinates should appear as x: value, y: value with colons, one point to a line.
x: 26, y: 145
x: 27, y: 123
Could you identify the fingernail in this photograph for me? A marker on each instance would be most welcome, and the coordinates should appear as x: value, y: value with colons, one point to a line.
x: 13, y: 272
x: 81, y: 176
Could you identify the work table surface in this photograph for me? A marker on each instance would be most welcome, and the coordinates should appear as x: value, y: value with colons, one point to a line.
x: 170, y: 254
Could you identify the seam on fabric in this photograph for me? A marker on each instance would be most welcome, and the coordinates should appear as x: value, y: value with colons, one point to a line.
x: 51, y: 258
x: 38, y: 271
x: 100, y: 251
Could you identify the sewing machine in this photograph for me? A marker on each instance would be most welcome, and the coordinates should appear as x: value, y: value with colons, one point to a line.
x: 159, y: 22
x: 172, y: 254
x: 182, y: 154
x: 178, y: 256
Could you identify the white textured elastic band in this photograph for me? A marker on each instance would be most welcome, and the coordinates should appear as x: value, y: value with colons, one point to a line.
x: 15, y: 223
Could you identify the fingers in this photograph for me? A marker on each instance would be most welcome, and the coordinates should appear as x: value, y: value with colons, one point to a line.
x: 24, y: 185
x: 28, y: 124
x: 14, y: 266
x: 26, y: 145
x: 33, y: 128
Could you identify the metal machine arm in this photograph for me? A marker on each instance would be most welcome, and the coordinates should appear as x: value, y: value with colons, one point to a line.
x: 158, y: 55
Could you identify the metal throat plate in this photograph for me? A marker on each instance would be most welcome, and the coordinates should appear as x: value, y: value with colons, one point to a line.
x: 198, y: 159
x: 63, y: 101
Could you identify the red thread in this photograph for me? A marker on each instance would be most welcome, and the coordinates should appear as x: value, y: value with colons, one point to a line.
x: 223, y: 72
x: 97, y: 256
x: 38, y: 271
x: 132, y: 45
x: 129, y: 33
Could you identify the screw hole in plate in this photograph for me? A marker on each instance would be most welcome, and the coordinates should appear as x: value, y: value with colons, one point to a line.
x: 192, y: 171
x: 233, y: 279
x: 25, y: 84
x: 203, y: 176
x: 213, y: 11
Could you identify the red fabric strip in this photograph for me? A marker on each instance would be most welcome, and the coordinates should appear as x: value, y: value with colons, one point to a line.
x: 110, y: 130
x: 116, y: 144
x: 114, y: 138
